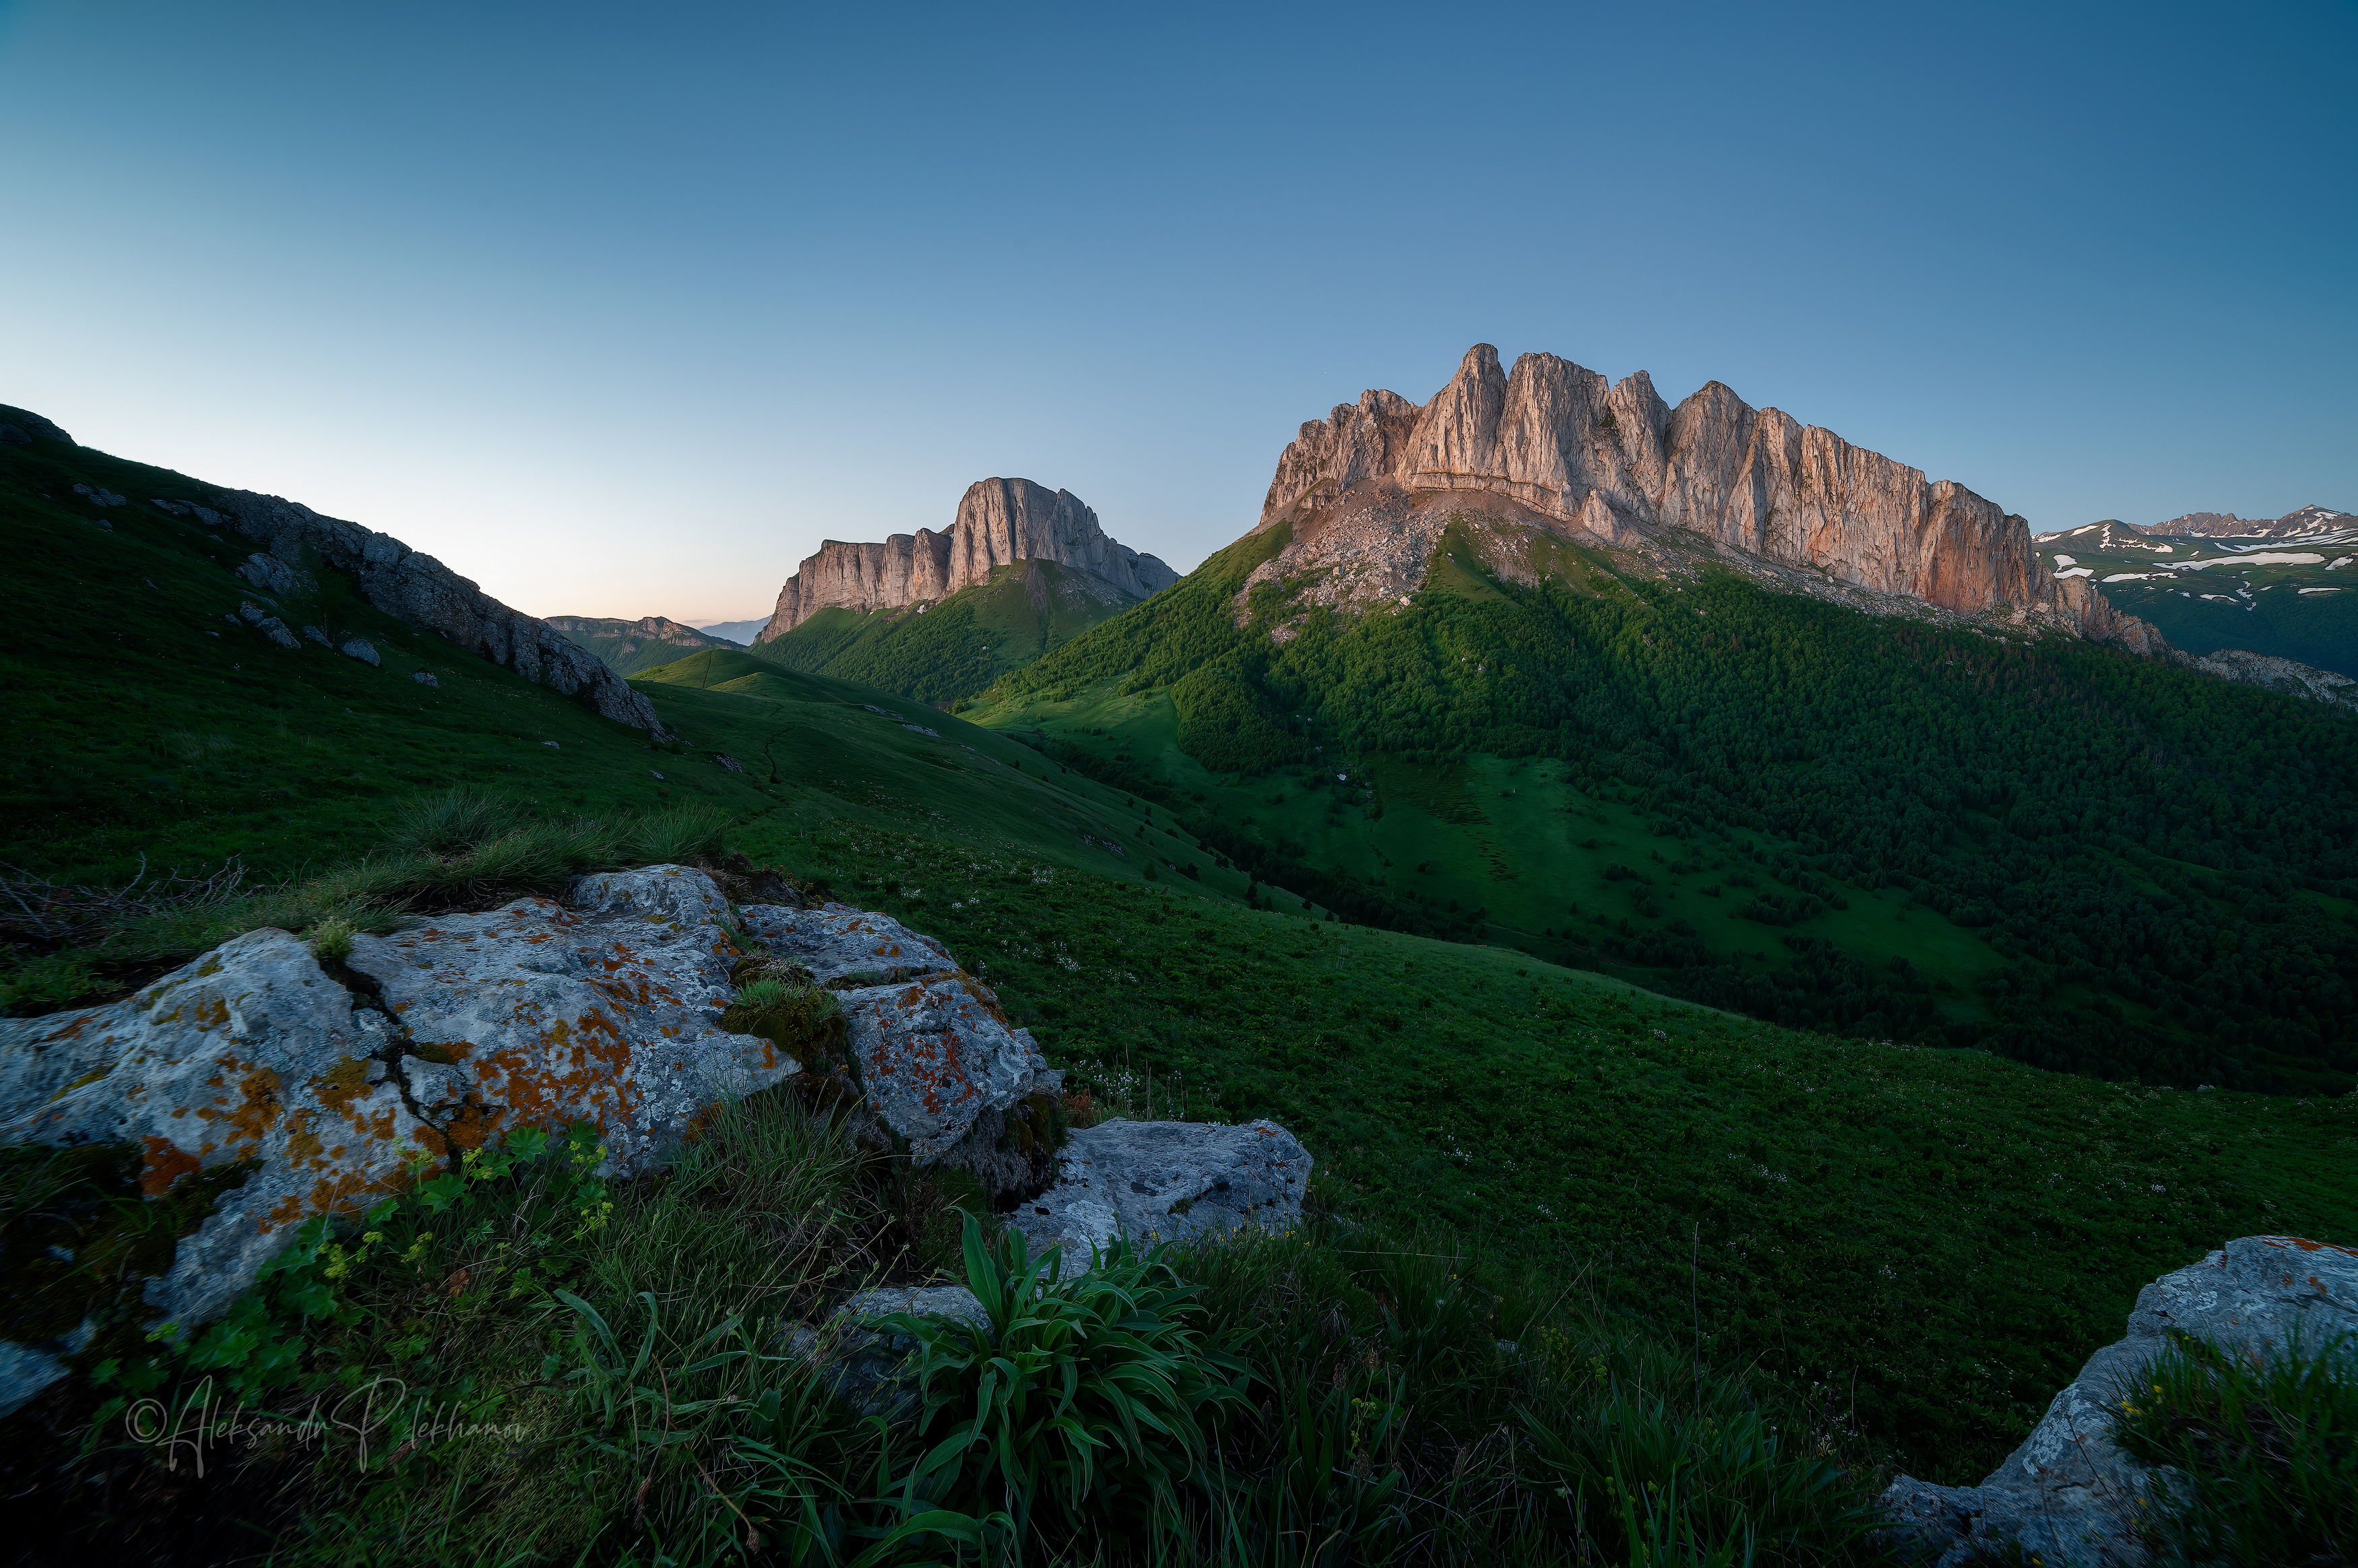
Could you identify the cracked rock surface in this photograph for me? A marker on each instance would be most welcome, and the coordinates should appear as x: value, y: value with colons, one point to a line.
x: 1163, y: 1180
x: 251, y: 1052
x: 938, y: 1058
x: 604, y: 1008
x: 838, y: 943
x: 2068, y: 1494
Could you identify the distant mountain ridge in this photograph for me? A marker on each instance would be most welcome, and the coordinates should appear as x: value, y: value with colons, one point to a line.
x: 999, y: 523
x: 2238, y: 604
x: 2304, y: 521
x: 741, y: 632
x: 629, y: 646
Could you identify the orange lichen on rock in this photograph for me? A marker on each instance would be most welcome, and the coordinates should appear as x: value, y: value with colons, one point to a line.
x: 338, y: 1087
x: 165, y: 1163
x: 257, y: 1107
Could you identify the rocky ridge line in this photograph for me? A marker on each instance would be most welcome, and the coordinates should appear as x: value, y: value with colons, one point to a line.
x: 2293, y: 525
x: 415, y: 588
x: 402, y: 582
x: 999, y: 523
x: 1617, y: 464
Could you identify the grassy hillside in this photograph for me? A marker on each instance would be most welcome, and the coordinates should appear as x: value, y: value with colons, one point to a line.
x: 157, y: 732
x: 1944, y: 1235
x: 1877, y: 826
x: 953, y: 648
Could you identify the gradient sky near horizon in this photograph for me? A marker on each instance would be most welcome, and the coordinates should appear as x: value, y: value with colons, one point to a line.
x: 621, y: 311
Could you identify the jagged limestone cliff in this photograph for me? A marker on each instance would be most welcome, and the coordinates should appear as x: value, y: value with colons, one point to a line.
x: 999, y: 522
x: 1615, y: 462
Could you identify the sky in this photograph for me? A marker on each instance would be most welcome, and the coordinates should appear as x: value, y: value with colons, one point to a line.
x: 621, y: 311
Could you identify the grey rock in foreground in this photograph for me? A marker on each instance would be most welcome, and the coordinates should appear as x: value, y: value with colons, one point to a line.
x: 868, y: 1365
x: 937, y: 1059
x: 839, y: 944
x: 940, y: 1064
x: 2068, y: 1494
x: 604, y: 1008
x: 1165, y: 1180
x: 250, y: 1052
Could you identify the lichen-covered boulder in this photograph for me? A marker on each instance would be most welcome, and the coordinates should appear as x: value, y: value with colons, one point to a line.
x: 604, y: 1008
x: 1158, y: 1181
x: 938, y: 1058
x: 842, y: 945
x: 252, y: 1053
x: 2067, y: 1495
x: 932, y: 1050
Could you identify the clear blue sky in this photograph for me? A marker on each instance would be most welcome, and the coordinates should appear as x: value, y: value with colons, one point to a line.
x: 619, y: 310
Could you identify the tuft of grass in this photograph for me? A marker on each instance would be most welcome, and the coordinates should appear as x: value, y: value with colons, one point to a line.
x: 2262, y: 1452
x: 331, y: 939
x: 681, y: 833
x: 801, y: 1019
x: 451, y: 822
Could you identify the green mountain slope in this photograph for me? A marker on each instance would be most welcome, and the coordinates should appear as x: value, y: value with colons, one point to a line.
x: 2282, y: 597
x: 1886, y: 827
x: 1942, y: 1235
x: 956, y: 646
x: 155, y: 729
x: 627, y: 648
x: 1958, y: 1231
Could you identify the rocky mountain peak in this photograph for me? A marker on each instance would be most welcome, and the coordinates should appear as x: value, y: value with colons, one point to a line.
x: 1613, y: 461
x: 999, y: 522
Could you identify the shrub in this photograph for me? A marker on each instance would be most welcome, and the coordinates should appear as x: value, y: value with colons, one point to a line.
x: 2267, y: 1451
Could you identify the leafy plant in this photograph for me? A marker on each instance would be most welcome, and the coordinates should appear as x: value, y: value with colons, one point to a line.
x: 1078, y: 1409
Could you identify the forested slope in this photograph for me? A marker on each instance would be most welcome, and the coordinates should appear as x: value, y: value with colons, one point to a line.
x: 953, y: 647
x: 2159, y: 865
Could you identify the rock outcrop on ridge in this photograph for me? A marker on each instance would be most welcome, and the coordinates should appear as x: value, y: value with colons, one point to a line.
x: 999, y: 522
x: 2289, y: 677
x: 415, y: 588
x: 1617, y: 463
x: 608, y: 1007
x: 2067, y: 1495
